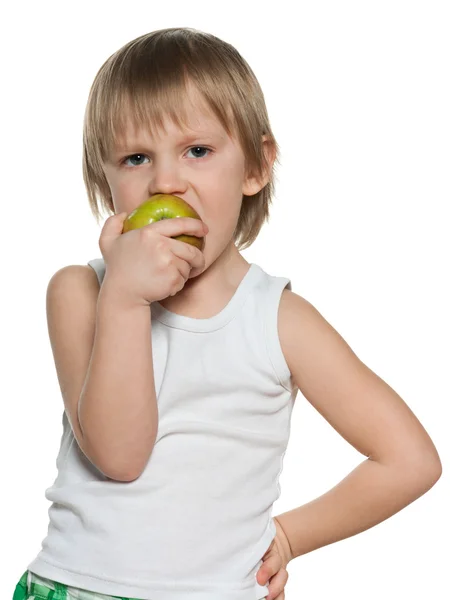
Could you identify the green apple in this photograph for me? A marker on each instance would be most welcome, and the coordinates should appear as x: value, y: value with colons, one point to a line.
x: 163, y: 206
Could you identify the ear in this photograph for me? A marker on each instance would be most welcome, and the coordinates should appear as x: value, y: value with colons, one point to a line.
x: 253, y: 184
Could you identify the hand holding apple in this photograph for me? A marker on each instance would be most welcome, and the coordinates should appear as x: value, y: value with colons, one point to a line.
x: 146, y: 255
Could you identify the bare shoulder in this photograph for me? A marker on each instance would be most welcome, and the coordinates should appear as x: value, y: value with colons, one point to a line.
x: 71, y: 301
x: 72, y: 295
x: 74, y: 275
x: 303, y: 330
x: 356, y: 402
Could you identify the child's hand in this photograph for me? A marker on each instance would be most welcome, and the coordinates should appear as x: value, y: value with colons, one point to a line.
x: 275, y: 560
x: 148, y: 264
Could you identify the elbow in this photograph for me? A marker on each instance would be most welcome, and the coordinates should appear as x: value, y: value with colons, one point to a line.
x: 125, y: 469
x: 429, y: 467
x: 434, y: 471
x: 415, y: 474
x: 419, y: 464
x: 123, y: 477
x: 128, y: 470
x: 116, y: 464
x: 429, y: 476
x: 422, y: 471
x: 125, y: 474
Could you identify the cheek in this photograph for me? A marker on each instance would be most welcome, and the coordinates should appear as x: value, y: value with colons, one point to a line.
x: 231, y: 175
x: 221, y: 217
x: 124, y: 196
x: 125, y: 188
x: 122, y: 185
x: 222, y: 222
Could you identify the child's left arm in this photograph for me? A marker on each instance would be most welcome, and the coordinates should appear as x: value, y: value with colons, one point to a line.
x: 402, y: 462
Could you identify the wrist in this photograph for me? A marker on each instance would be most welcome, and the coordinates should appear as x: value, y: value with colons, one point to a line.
x: 284, y: 541
x: 113, y: 297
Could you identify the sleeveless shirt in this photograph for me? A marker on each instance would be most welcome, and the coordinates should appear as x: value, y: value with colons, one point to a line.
x: 196, y: 523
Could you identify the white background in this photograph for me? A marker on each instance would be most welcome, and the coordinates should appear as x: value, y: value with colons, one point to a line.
x: 358, y: 95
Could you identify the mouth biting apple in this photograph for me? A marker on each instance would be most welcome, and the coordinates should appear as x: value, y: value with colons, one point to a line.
x: 163, y: 206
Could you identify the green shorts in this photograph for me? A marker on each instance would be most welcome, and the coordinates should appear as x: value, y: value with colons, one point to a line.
x: 31, y: 586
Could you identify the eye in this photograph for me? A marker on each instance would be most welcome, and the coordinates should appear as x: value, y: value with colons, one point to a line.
x: 132, y: 157
x: 201, y: 148
x: 139, y: 157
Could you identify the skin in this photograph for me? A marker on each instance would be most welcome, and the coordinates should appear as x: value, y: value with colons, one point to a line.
x: 205, y: 167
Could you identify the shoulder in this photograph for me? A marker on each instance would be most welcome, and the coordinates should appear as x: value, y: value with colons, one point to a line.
x: 296, y: 310
x: 73, y: 280
x: 71, y: 303
x: 292, y: 314
x: 74, y: 272
x: 305, y: 336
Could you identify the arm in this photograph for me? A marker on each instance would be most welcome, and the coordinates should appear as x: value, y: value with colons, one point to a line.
x: 117, y: 408
x: 371, y: 493
x: 402, y: 462
x: 98, y: 350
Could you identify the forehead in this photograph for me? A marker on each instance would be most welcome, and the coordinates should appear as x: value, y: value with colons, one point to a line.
x: 194, y: 118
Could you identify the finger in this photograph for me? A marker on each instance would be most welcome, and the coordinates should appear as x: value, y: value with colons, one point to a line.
x: 115, y: 222
x: 188, y: 252
x: 184, y: 271
x: 195, y: 271
x: 112, y: 228
x: 184, y: 267
x: 180, y: 225
x: 268, y: 569
x: 277, y: 585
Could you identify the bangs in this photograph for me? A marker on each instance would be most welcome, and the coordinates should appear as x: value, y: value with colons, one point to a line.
x: 144, y: 96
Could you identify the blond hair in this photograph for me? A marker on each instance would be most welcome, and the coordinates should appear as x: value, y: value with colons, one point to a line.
x: 147, y: 79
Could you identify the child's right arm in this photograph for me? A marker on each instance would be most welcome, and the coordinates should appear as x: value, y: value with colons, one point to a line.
x: 103, y: 358
x: 102, y: 342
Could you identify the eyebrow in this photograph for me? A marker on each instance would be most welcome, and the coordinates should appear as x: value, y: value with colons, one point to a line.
x: 185, y: 140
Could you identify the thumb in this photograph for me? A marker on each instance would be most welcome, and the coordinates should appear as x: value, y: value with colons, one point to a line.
x: 111, y: 230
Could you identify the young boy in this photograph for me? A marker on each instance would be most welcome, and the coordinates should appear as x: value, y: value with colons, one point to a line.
x: 179, y: 368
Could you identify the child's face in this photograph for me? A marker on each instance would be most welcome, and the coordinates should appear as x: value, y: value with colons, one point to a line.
x: 202, y: 165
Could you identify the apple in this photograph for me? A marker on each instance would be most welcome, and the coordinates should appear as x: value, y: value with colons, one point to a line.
x: 163, y: 206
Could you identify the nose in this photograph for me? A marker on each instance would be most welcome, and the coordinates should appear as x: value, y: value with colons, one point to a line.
x: 167, y: 178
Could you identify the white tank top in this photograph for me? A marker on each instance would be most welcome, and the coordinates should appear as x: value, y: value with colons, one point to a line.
x: 196, y: 523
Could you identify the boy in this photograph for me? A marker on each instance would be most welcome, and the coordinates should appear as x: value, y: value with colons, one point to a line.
x: 179, y: 369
